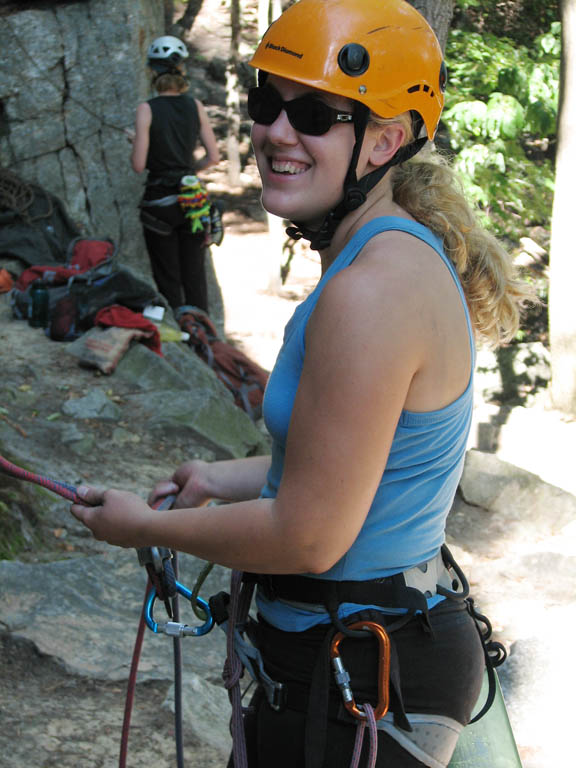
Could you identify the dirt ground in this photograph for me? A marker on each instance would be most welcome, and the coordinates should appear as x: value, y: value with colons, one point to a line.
x: 49, y: 719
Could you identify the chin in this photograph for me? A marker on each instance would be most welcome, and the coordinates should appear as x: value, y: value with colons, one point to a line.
x: 284, y: 210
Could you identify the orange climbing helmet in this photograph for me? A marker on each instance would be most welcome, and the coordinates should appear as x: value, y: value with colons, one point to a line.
x: 381, y: 53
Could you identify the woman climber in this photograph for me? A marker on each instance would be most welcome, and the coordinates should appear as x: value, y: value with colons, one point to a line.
x: 368, y: 406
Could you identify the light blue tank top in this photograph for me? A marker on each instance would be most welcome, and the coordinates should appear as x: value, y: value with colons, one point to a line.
x: 405, y: 525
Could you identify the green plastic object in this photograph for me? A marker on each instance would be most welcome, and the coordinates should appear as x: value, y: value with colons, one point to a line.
x: 489, y: 743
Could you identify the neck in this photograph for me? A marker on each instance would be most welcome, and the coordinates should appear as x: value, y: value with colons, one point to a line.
x: 378, y: 203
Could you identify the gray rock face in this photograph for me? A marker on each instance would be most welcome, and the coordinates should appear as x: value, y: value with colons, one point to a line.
x: 70, y: 79
x: 84, y: 612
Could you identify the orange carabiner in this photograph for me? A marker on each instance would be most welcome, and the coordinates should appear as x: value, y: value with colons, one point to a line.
x: 343, y: 678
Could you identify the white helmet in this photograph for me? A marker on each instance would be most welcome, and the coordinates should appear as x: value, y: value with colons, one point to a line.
x: 168, y: 49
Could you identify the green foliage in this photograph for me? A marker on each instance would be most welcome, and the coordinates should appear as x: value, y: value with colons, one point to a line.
x: 522, y: 21
x: 502, y: 101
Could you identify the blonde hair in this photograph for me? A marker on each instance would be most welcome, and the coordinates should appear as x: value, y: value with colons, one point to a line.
x: 430, y: 191
x: 170, y: 81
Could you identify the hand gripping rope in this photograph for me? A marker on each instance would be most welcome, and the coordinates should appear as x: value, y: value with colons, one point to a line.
x: 161, y: 565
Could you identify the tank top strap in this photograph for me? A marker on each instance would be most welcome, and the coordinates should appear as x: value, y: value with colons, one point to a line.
x: 376, y: 227
x: 395, y: 223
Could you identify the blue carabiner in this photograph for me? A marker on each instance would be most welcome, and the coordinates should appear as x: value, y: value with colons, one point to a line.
x: 175, y: 628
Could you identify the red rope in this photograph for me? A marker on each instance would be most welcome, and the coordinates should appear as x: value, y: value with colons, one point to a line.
x: 62, y: 489
x: 130, y: 690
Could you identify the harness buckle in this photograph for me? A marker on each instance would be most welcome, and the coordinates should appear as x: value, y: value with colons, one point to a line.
x: 343, y: 678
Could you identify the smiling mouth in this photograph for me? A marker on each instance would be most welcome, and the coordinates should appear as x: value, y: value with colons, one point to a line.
x: 288, y: 168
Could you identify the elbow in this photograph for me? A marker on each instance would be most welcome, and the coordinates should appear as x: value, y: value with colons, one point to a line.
x: 315, y: 558
x: 320, y: 564
x: 138, y: 167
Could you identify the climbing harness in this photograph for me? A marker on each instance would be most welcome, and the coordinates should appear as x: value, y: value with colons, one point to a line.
x: 162, y: 569
x: 408, y: 590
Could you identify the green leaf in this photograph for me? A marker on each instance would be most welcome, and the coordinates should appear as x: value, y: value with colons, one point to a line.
x: 504, y: 116
x: 469, y: 116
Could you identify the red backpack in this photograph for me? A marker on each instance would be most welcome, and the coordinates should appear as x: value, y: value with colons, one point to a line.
x: 241, y: 375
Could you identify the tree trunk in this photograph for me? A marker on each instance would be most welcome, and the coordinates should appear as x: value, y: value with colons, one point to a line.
x: 268, y: 10
x: 186, y: 21
x: 168, y: 14
x: 438, y: 14
x: 562, y: 261
x: 233, y: 97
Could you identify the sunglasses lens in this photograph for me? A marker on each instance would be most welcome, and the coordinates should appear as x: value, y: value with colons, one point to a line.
x: 306, y: 114
x: 264, y: 105
x: 309, y: 115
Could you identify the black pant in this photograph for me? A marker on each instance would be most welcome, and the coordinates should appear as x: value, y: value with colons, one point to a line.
x: 177, y: 259
x: 440, y: 672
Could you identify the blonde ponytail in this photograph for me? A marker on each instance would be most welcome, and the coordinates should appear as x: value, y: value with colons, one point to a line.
x: 430, y: 191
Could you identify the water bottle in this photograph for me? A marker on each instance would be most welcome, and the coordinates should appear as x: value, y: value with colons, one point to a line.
x: 39, y: 305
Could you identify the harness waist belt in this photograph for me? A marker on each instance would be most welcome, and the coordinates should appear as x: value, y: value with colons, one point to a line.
x: 408, y: 589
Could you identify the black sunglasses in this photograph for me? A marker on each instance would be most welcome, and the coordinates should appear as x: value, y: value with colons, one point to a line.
x: 307, y: 114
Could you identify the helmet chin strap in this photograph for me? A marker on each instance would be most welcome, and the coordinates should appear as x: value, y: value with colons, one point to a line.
x: 355, y: 190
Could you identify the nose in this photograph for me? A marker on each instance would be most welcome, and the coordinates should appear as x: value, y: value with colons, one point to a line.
x: 281, y: 130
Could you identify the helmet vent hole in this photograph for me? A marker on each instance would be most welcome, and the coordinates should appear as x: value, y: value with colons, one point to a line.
x: 414, y: 89
x: 353, y: 59
x: 425, y: 88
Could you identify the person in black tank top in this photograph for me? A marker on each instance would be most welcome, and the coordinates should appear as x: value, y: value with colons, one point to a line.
x: 168, y: 128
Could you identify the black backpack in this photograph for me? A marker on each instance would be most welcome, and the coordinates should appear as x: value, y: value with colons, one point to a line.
x: 89, y: 281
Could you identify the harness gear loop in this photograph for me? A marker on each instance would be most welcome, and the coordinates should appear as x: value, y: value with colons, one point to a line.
x: 343, y: 678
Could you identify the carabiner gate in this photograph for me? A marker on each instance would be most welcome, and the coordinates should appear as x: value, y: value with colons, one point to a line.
x: 343, y: 678
x: 174, y: 628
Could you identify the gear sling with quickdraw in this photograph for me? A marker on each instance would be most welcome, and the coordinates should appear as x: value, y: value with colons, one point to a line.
x: 407, y: 591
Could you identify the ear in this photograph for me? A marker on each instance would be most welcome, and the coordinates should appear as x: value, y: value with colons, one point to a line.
x: 386, y: 140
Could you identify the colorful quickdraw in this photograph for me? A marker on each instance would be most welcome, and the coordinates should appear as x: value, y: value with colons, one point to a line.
x: 193, y: 200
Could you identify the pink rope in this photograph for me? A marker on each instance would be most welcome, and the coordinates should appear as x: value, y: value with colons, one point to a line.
x: 62, y: 489
x: 360, y: 733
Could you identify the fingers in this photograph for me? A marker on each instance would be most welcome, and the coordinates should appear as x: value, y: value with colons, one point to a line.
x: 91, y: 497
x: 162, y: 489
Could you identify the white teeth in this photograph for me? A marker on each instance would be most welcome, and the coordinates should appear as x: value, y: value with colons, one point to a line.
x: 286, y: 167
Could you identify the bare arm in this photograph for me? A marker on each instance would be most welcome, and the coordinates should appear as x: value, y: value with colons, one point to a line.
x: 141, y: 141
x: 196, y: 482
x: 338, y: 443
x: 207, y: 139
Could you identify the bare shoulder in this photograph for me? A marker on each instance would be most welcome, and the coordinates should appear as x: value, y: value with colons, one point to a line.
x: 143, y: 112
x: 388, y: 284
